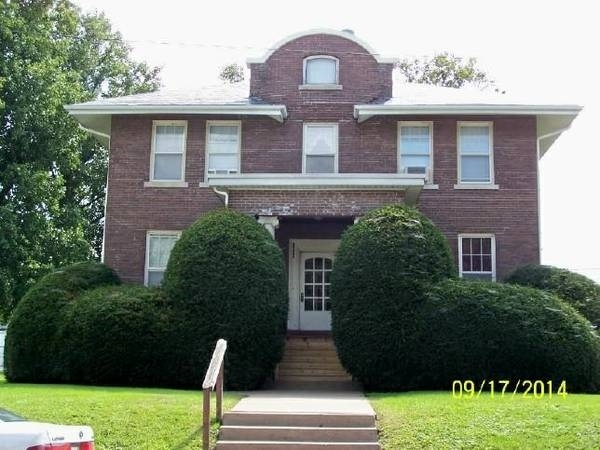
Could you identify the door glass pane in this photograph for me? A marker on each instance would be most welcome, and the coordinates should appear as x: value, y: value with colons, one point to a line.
x: 321, y: 71
x: 308, y: 277
x: 318, y: 277
x: 318, y: 304
x: 308, y: 304
x: 308, y: 264
x: 308, y: 291
x: 475, y: 168
x: 328, y: 263
x: 327, y: 304
x: 320, y: 164
x: 167, y: 166
x: 318, y: 263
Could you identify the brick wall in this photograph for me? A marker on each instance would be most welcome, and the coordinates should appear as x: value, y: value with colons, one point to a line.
x: 369, y: 147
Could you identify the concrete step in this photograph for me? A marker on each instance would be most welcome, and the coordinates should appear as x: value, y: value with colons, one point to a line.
x: 300, y: 445
x: 310, y: 372
x: 296, y: 434
x: 297, y: 419
x: 310, y: 343
x: 329, y: 365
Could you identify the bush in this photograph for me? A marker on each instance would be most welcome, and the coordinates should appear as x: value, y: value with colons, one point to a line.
x: 489, y: 331
x: 577, y: 290
x: 382, y: 268
x: 116, y: 335
x: 33, y: 351
x: 226, y: 278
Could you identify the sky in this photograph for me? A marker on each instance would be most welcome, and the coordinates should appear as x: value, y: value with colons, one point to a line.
x: 538, y: 49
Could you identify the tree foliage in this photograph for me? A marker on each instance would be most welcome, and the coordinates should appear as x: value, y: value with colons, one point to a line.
x: 52, y: 174
x: 232, y: 73
x: 444, y: 69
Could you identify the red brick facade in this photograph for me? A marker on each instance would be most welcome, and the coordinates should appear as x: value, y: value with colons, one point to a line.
x: 510, y: 212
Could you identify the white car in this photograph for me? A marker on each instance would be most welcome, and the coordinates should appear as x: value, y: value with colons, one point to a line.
x: 17, y: 433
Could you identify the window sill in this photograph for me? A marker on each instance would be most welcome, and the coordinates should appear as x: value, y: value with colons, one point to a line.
x: 320, y: 87
x: 431, y: 186
x: 166, y: 184
x: 476, y: 186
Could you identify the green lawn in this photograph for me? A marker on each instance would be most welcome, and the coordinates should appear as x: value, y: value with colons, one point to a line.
x: 415, y: 420
x: 122, y: 418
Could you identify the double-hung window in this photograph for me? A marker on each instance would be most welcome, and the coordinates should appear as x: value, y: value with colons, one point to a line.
x: 168, y: 150
x: 158, y: 249
x: 321, y: 70
x: 320, y: 145
x: 223, y: 142
x: 415, y: 148
x: 477, y: 256
x: 475, y: 153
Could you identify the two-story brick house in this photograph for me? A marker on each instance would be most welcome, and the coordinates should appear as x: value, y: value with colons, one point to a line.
x: 317, y: 141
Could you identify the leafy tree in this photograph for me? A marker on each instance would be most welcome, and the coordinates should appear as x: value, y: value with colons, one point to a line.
x: 232, y: 73
x: 52, y: 174
x: 444, y: 69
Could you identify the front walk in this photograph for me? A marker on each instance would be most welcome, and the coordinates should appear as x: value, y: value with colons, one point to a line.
x: 296, y: 419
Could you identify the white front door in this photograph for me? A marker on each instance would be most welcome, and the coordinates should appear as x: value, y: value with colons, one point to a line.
x: 315, y: 283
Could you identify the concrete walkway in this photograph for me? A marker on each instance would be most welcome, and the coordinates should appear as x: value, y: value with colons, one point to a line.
x: 324, y: 402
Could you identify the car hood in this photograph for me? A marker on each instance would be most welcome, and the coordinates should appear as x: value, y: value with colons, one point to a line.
x: 24, y: 434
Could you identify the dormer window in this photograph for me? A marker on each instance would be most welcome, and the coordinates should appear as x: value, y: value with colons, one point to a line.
x: 321, y: 72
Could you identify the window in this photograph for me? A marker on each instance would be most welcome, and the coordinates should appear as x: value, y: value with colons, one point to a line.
x: 475, y: 163
x: 158, y: 249
x: 477, y: 256
x: 320, y: 148
x: 321, y: 69
x: 168, y: 150
x: 223, y: 147
x: 415, y: 148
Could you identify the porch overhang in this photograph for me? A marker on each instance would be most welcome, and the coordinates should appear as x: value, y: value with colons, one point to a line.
x: 411, y: 184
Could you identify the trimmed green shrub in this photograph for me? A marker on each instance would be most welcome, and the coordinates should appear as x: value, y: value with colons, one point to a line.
x: 382, y: 268
x: 34, y: 351
x: 226, y: 278
x: 116, y: 335
x: 491, y: 331
x: 577, y: 290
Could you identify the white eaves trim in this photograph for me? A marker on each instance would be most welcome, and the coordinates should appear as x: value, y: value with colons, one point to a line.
x: 342, y: 34
x: 364, y: 112
x: 277, y: 112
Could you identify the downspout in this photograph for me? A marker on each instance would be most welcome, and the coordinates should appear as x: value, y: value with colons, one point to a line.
x: 539, y: 208
x: 107, y: 137
x: 223, y: 194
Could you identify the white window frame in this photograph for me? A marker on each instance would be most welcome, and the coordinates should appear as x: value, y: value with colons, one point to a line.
x: 336, y: 144
x: 149, y: 235
x: 413, y: 123
x: 491, y: 236
x: 304, y: 72
x: 490, y: 126
x: 228, y: 123
x: 178, y: 123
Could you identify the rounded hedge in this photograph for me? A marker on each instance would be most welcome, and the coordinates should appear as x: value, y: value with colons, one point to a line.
x: 117, y: 335
x: 491, y: 331
x: 226, y: 278
x: 34, y: 350
x: 578, y: 290
x: 382, y: 267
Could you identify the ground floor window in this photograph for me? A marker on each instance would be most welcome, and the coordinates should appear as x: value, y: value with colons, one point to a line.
x: 477, y: 256
x: 158, y: 249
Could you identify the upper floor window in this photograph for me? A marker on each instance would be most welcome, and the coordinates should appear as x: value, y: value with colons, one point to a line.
x: 477, y: 256
x: 321, y: 69
x: 415, y: 148
x: 320, y: 148
x: 475, y: 153
x: 158, y: 249
x: 223, y: 142
x: 168, y: 150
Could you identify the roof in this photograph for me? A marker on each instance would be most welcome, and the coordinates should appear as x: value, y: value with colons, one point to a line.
x: 346, y: 34
x: 409, y: 99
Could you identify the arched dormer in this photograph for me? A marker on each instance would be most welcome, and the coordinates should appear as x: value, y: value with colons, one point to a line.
x: 321, y: 65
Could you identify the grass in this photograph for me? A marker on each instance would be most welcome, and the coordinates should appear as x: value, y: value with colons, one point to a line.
x: 416, y: 420
x: 122, y: 418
